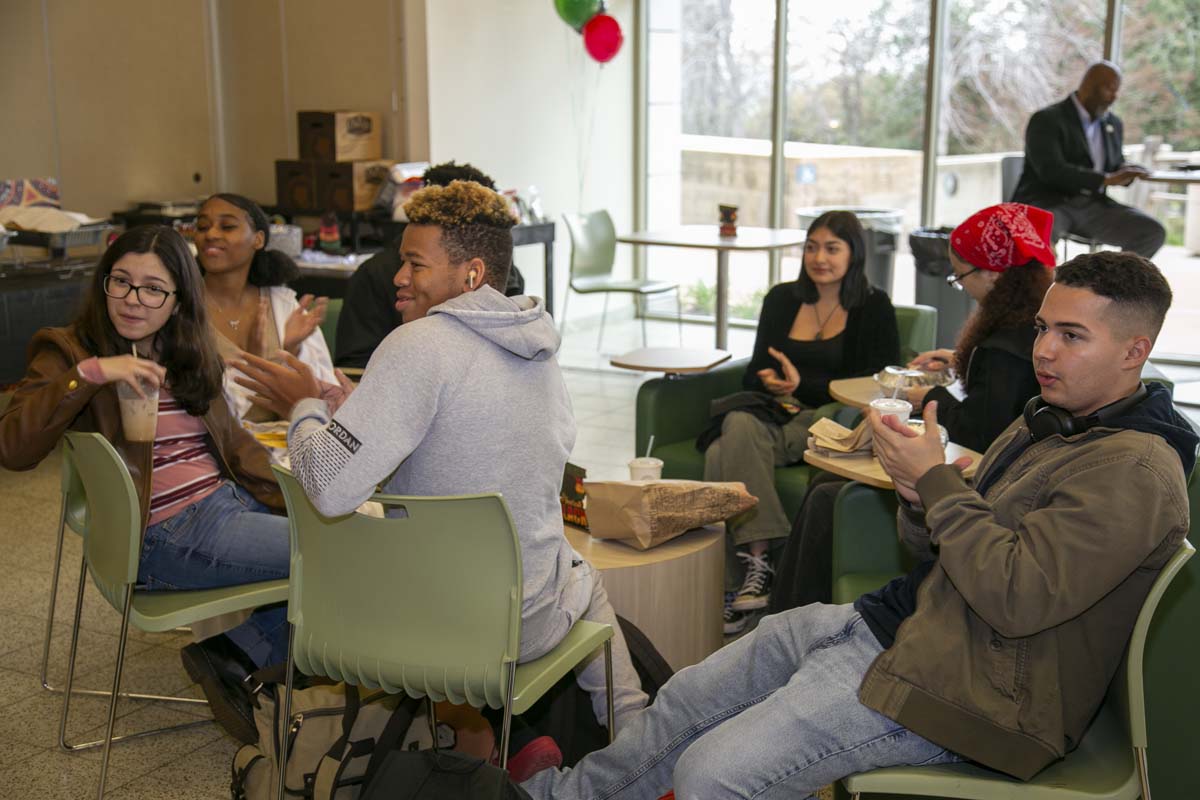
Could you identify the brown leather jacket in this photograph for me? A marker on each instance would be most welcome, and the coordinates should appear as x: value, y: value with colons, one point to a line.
x: 53, y: 398
x: 1023, y: 621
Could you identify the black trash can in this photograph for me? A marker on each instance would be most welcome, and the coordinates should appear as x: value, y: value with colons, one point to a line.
x: 929, y: 249
x: 882, y: 227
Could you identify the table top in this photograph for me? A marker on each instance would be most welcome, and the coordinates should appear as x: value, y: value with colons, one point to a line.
x: 338, y: 269
x: 674, y: 360
x: 1174, y: 176
x: 857, y: 392
x: 612, y: 553
x: 708, y: 237
x: 865, y: 467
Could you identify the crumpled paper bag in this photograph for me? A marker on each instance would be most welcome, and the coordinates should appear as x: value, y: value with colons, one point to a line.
x: 644, y: 514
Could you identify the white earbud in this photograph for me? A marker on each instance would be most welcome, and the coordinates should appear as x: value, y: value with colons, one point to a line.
x: 471, y: 279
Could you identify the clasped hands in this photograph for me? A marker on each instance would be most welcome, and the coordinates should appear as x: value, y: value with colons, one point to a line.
x: 278, y: 387
x: 905, y: 454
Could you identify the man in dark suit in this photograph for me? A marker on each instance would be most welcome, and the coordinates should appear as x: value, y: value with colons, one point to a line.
x: 1072, y: 154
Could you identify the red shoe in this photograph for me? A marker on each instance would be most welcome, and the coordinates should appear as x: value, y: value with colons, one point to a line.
x: 542, y: 753
x: 668, y: 796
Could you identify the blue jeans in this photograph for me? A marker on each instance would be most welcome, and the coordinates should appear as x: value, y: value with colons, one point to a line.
x: 773, y: 715
x: 228, y: 538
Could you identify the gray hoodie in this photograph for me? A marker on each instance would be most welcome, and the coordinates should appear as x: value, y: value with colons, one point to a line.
x: 468, y: 399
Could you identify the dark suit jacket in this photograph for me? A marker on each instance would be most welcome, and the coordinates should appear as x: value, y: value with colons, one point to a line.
x: 1058, y: 164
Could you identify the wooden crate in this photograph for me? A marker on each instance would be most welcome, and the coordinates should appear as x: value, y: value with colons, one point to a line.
x: 350, y: 186
x: 340, y: 135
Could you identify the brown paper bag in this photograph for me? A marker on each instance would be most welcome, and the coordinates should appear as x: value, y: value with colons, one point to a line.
x: 647, y: 513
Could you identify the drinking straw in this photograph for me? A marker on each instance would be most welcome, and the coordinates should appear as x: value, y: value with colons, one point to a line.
x: 650, y: 445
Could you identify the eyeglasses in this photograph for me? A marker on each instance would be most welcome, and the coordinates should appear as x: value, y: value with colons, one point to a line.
x: 956, y: 280
x: 149, y: 296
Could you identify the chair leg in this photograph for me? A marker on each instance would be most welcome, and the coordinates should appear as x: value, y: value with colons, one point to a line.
x: 506, y: 726
x: 603, y: 316
x: 642, y: 306
x: 116, y: 691
x: 431, y: 712
x: 1143, y: 770
x: 679, y: 315
x: 69, y: 691
x: 608, y: 688
x: 286, y: 720
x: 562, y: 320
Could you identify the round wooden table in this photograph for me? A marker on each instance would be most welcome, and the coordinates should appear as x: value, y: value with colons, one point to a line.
x: 672, y: 592
x: 865, y: 467
x: 857, y: 392
x: 671, y: 360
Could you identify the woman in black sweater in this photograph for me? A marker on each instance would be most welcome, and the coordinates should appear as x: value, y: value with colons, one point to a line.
x: 828, y: 324
x: 1001, y: 256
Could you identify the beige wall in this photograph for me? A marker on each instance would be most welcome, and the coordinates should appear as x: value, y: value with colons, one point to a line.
x: 139, y: 96
x: 512, y: 91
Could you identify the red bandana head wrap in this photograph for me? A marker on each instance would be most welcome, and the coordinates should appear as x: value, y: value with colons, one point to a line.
x: 1003, y: 236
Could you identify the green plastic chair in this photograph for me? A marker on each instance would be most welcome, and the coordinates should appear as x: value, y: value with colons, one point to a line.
x: 917, y: 325
x: 427, y: 604
x: 593, y: 251
x: 112, y: 541
x: 330, y: 323
x: 1109, y: 764
x: 73, y: 517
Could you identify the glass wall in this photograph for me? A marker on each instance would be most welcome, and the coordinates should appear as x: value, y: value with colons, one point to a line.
x: 708, y: 139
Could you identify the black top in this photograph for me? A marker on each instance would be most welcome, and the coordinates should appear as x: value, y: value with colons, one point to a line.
x: 869, y: 343
x: 1058, y: 163
x: 369, y: 311
x: 1000, y: 380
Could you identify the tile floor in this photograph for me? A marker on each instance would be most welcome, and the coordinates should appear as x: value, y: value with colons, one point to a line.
x: 195, y: 763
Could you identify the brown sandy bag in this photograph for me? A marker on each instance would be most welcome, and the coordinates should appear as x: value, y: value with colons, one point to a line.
x: 647, y: 513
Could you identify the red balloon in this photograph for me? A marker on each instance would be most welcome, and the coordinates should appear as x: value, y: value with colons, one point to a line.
x: 602, y: 37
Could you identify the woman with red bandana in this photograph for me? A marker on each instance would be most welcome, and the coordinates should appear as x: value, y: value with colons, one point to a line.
x: 1002, y: 257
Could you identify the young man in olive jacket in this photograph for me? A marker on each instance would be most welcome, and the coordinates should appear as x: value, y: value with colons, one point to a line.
x: 1000, y: 645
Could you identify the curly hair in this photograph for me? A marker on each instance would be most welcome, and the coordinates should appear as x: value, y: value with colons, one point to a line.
x: 1013, y: 302
x: 447, y: 173
x: 1140, y: 294
x: 268, y: 267
x: 475, y: 221
x: 186, y: 347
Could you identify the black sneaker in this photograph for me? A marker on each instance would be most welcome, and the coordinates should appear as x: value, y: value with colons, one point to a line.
x: 756, y: 586
x: 735, y: 621
x: 220, y: 667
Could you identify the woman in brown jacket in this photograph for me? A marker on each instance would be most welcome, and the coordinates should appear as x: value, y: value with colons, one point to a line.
x: 204, y: 484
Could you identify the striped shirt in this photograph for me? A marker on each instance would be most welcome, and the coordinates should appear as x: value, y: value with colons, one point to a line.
x: 185, y: 470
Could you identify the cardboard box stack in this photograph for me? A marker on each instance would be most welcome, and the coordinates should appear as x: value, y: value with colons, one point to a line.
x: 339, y: 168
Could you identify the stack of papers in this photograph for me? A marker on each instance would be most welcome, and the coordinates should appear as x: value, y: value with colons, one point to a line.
x: 829, y: 438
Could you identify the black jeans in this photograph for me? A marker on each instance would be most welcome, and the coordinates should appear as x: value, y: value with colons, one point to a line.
x: 804, y: 572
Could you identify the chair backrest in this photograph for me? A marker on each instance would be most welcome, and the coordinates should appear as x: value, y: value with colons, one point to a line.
x: 1010, y: 175
x: 593, y: 243
x: 113, y: 540
x: 330, y: 323
x: 1126, y: 689
x: 428, y: 603
x: 918, y: 329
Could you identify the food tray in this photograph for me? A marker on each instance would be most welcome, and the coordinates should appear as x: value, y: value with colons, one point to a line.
x: 889, y: 377
x: 83, y: 236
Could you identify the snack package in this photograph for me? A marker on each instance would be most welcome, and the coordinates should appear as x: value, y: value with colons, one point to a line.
x: 644, y: 514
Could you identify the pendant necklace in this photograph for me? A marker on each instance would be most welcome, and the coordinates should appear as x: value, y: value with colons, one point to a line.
x: 822, y: 322
x: 232, y: 323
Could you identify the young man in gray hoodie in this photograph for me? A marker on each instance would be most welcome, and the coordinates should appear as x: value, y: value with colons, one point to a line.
x: 465, y: 397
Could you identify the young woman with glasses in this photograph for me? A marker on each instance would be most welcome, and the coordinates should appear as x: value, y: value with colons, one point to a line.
x: 1002, y: 257
x: 205, y: 486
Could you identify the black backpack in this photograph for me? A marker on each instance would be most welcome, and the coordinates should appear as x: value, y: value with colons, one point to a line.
x: 438, y: 775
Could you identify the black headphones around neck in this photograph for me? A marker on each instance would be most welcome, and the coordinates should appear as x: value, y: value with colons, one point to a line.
x: 1044, y: 420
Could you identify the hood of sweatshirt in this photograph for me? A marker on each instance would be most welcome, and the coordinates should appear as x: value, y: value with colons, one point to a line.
x: 518, y: 324
x: 1156, y: 414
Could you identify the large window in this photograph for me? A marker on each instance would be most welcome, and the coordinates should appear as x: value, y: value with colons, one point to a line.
x: 709, y: 141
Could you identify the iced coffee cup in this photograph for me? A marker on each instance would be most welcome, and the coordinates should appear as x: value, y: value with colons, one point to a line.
x: 139, y: 415
x: 901, y: 409
x: 645, y: 468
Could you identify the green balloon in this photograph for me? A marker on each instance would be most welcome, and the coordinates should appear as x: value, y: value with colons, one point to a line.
x: 576, y: 12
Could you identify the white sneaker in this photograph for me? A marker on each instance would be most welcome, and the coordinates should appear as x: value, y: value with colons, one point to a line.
x: 756, y: 586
